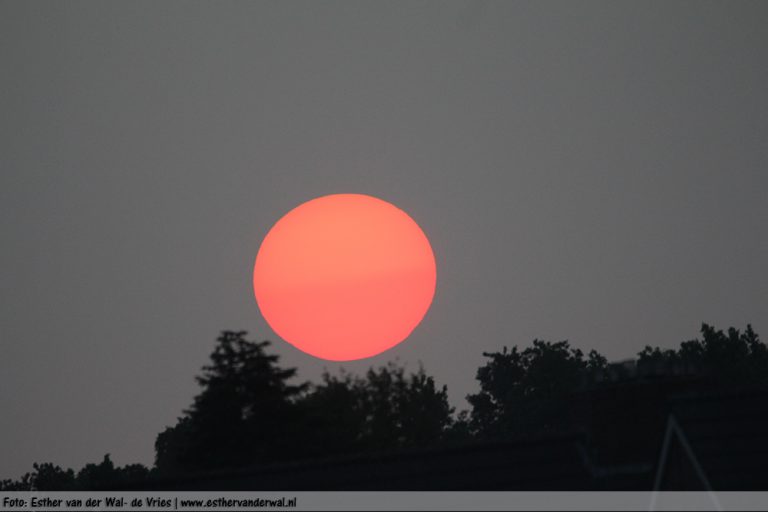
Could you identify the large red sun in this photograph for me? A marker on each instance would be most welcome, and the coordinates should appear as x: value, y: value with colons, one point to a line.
x: 344, y: 276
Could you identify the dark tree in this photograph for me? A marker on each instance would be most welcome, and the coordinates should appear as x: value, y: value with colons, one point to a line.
x: 22, y: 484
x: 172, y: 447
x: 334, y: 416
x: 403, y: 411
x: 244, y: 415
x: 103, y: 476
x: 386, y: 409
x: 732, y: 358
x: 527, y: 390
x: 248, y: 411
x: 98, y: 476
x: 49, y: 477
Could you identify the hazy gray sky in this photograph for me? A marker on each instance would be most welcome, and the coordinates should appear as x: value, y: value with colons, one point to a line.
x: 585, y: 171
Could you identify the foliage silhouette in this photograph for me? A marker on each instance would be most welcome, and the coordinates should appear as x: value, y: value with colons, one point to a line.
x: 249, y: 411
x: 22, y: 484
x: 245, y: 413
x: 106, y: 476
x: 732, y: 359
x: 523, y: 390
x: 386, y: 409
x: 50, y: 477
x: 103, y: 476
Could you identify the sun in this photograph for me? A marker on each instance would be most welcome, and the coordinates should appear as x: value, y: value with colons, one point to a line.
x: 344, y: 276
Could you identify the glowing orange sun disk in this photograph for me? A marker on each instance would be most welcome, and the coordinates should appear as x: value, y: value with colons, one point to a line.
x: 344, y: 276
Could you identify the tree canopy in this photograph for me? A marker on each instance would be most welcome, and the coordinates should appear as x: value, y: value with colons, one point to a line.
x: 386, y: 409
x: 250, y: 410
x: 244, y: 414
x: 103, y: 476
x: 524, y: 389
x: 732, y: 358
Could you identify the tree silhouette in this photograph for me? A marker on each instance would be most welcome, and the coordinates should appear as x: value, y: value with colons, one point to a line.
x: 384, y: 410
x: 729, y: 359
x: 249, y: 412
x: 245, y: 413
x: 22, y: 484
x: 49, y: 477
x: 103, y: 476
x: 172, y: 448
x: 334, y: 416
x: 524, y: 390
x: 403, y: 411
x: 44, y: 477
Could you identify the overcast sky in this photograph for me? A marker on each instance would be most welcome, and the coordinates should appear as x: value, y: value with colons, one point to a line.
x: 595, y: 172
